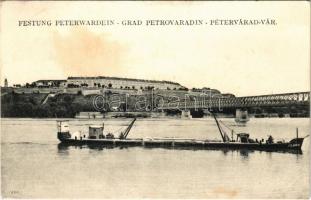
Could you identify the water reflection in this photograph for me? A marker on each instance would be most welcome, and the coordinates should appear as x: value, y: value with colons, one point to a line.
x: 244, y: 153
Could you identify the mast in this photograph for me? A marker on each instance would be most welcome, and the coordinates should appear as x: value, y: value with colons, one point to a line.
x: 127, y: 130
x: 296, y: 135
x: 220, y: 131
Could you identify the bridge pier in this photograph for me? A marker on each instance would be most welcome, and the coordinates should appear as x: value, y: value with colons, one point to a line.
x: 206, y: 113
x: 162, y: 113
x: 186, y: 114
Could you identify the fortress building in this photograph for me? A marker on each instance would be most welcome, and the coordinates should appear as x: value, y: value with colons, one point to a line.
x: 49, y: 83
x: 120, y: 83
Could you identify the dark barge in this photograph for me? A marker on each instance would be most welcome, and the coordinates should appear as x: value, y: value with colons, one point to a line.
x: 96, y: 137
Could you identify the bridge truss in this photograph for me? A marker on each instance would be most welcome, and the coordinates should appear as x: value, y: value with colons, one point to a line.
x: 288, y: 99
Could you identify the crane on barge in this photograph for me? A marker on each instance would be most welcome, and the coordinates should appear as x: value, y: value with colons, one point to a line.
x: 124, y: 134
x: 244, y: 141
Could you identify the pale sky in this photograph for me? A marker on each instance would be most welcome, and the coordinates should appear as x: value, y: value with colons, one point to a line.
x: 244, y: 60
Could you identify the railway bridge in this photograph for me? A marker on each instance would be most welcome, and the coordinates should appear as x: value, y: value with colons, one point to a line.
x: 219, y: 103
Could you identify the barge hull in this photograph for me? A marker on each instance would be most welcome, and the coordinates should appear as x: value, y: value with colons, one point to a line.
x: 199, y: 144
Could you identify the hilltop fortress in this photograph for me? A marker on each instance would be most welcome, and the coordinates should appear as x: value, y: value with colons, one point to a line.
x: 120, y: 83
x: 103, y: 84
x: 106, y: 82
x: 67, y: 98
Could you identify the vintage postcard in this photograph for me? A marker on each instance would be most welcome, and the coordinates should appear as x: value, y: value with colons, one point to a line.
x: 155, y: 100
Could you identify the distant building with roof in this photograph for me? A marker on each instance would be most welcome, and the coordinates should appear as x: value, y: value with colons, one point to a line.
x: 50, y: 83
x: 228, y: 95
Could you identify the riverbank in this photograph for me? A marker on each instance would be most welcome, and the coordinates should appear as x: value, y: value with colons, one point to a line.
x: 16, y: 105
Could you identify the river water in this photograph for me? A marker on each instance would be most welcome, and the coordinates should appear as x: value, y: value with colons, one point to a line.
x: 34, y: 165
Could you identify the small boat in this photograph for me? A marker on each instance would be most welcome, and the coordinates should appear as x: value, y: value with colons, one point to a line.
x: 241, y: 117
x: 97, y: 136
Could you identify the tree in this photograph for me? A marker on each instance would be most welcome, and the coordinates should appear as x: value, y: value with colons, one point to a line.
x: 68, y: 99
x: 32, y: 101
